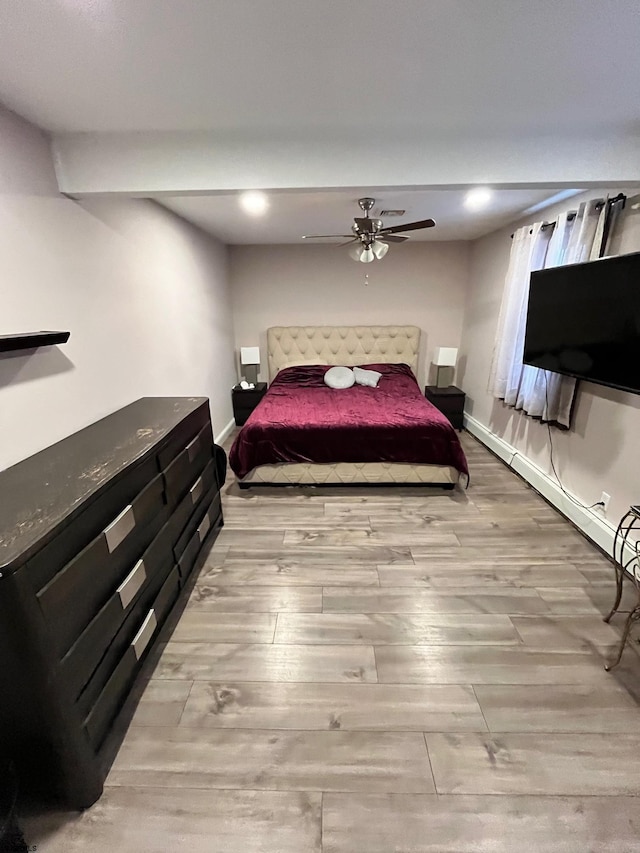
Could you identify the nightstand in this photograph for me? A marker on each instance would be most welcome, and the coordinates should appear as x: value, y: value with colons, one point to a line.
x: 245, y: 401
x: 449, y: 400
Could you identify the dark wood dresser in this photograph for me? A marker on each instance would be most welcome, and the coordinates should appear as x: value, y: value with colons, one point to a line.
x: 98, y: 536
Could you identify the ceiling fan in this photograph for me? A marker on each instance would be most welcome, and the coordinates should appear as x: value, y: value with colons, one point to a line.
x: 369, y: 237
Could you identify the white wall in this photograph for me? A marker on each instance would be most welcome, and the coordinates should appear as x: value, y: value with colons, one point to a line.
x: 601, y: 452
x: 144, y: 294
x: 416, y: 283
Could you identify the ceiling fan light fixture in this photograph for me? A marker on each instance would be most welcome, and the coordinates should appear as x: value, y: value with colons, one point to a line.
x: 370, y: 238
x: 379, y: 249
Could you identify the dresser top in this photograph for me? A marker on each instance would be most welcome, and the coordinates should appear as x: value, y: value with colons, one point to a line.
x: 39, y: 492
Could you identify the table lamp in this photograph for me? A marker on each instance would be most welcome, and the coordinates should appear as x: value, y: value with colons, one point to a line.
x: 444, y: 357
x: 250, y: 360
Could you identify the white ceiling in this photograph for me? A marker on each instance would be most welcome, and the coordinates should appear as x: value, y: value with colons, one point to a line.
x: 290, y: 215
x: 437, y: 66
x: 313, y: 99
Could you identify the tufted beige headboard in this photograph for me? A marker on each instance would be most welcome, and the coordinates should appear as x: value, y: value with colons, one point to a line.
x: 347, y: 345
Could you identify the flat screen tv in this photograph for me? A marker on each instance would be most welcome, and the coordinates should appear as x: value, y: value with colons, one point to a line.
x: 583, y: 320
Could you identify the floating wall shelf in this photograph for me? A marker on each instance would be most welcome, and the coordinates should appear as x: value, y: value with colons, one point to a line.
x: 29, y: 340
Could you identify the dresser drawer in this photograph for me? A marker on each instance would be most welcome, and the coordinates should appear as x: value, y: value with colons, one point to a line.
x: 73, y: 596
x: 211, y: 497
x: 88, y: 524
x: 182, y: 436
x: 189, y: 556
x: 109, y: 702
x: 198, y: 489
x: 211, y: 519
x: 118, y: 645
x: 142, y: 582
x: 183, y: 471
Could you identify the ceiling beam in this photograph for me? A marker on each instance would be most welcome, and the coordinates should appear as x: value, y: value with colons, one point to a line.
x: 157, y: 164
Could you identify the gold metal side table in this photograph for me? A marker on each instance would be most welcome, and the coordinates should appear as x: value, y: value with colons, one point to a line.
x: 626, y: 561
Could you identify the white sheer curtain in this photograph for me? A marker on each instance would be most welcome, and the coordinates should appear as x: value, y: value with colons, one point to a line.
x: 537, y: 392
x: 528, y: 252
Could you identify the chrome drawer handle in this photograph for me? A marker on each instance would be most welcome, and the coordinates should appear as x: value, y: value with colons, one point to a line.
x: 133, y: 582
x: 193, y: 448
x: 196, y: 491
x: 120, y: 528
x: 141, y: 639
x: 203, y: 528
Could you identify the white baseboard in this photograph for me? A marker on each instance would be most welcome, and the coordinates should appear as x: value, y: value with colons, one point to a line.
x: 224, y: 434
x: 596, y: 528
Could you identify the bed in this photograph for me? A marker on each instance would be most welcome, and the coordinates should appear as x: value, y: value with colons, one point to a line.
x: 303, y: 432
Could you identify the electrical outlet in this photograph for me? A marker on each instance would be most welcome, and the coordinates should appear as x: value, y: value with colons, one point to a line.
x: 605, y: 498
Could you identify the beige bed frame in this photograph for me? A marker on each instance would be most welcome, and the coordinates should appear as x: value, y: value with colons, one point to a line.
x: 289, y: 346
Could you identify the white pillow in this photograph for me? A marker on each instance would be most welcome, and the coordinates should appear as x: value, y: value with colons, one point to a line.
x: 339, y: 377
x: 367, y: 377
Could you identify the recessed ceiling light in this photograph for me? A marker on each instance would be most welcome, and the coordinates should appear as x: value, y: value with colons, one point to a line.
x: 478, y: 198
x: 254, y: 203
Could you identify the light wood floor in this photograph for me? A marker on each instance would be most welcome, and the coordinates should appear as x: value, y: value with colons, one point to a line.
x: 382, y: 671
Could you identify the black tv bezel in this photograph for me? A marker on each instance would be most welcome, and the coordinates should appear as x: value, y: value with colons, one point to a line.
x: 579, y: 376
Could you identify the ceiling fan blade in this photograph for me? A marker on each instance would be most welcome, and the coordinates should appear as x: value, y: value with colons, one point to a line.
x: 408, y: 226
x: 391, y: 238
x: 349, y: 242
x: 326, y: 236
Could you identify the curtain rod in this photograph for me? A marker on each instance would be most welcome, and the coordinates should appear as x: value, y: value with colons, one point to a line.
x: 570, y: 216
x: 621, y: 197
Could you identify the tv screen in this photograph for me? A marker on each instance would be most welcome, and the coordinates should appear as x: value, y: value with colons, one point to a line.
x: 583, y: 320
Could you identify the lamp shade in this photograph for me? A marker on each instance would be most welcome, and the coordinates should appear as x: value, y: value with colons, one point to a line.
x: 367, y: 253
x: 250, y: 355
x: 380, y: 249
x: 445, y: 356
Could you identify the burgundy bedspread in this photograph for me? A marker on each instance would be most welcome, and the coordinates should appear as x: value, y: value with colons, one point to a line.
x: 300, y: 419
